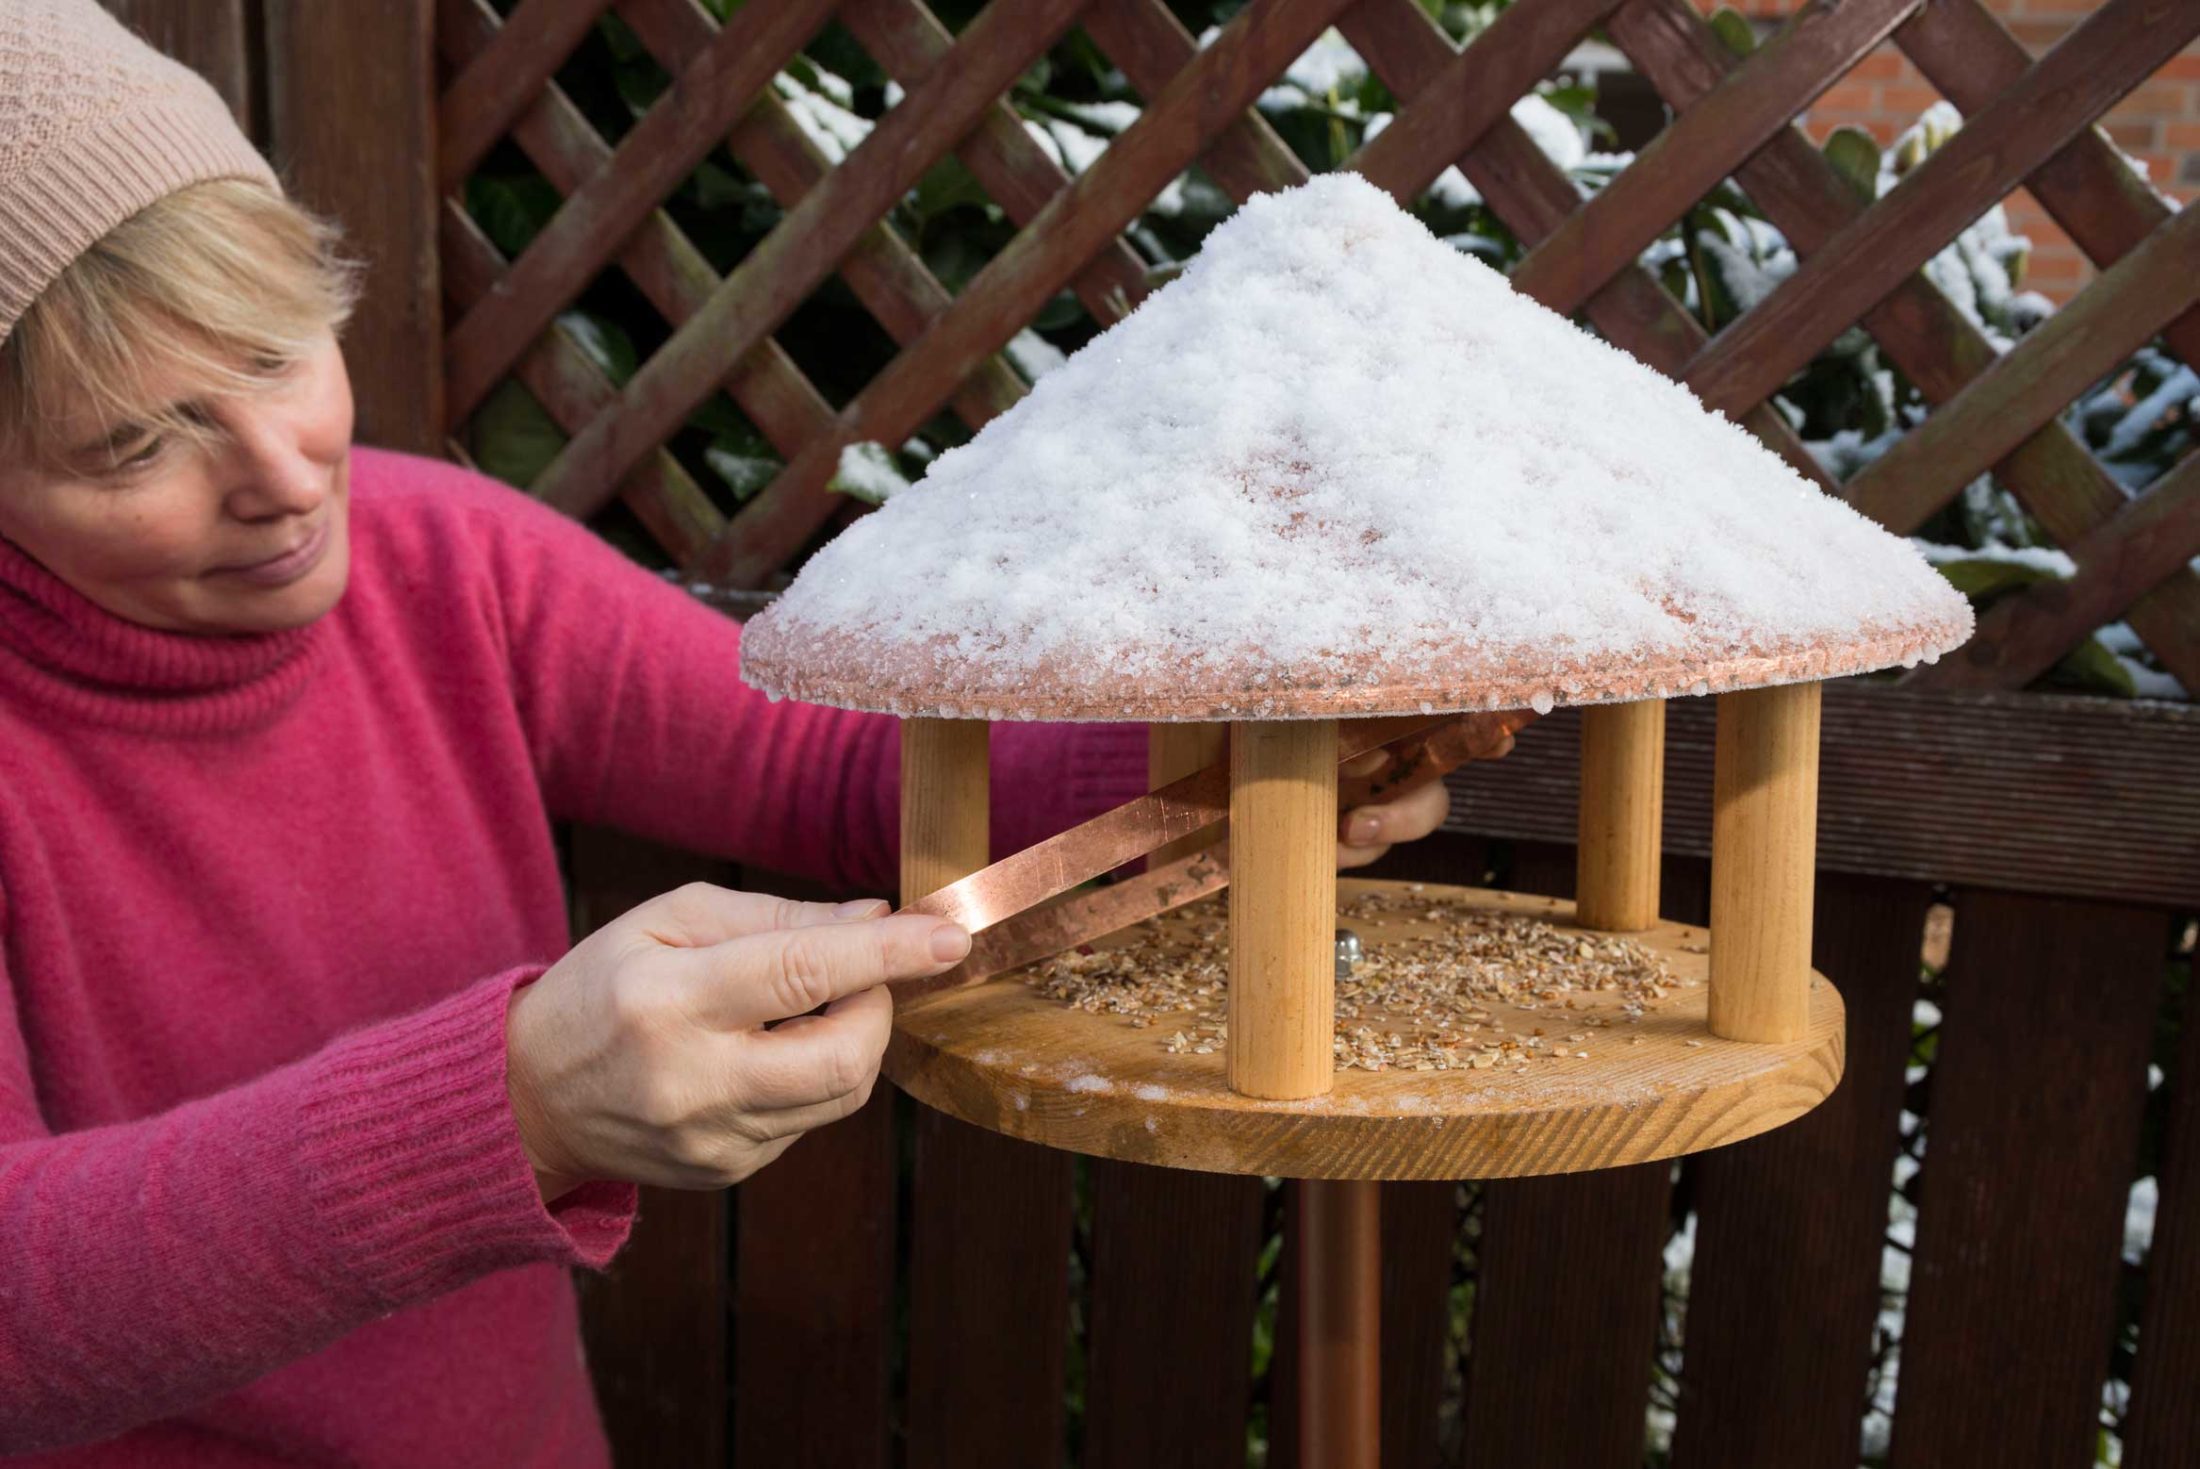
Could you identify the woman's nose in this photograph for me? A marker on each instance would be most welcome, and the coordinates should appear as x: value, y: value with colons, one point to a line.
x: 269, y: 471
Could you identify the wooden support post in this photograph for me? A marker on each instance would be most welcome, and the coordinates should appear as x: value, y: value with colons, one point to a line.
x: 1764, y: 842
x: 1622, y: 809
x: 1283, y: 907
x: 944, y: 831
x: 1340, y: 1283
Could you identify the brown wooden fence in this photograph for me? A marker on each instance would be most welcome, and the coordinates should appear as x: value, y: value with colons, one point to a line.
x: 827, y: 1315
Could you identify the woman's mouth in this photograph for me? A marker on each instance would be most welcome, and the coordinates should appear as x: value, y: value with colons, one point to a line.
x: 286, y: 567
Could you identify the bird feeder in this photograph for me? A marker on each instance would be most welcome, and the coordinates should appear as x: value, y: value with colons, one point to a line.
x: 1334, y: 483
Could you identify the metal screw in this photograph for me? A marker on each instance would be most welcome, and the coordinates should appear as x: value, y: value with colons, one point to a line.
x: 1348, y: 952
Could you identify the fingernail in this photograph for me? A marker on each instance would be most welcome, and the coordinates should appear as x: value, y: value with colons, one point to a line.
x: 861, y: 908
x: 1362, y: 831
x: 949, y: 942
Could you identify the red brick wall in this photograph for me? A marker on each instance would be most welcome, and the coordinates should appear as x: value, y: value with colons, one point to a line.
x: 2158, y: 124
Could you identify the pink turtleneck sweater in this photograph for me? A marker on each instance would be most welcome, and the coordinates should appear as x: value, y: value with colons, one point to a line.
x: 262, y: 903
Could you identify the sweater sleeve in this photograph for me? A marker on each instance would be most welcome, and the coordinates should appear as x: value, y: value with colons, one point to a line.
x: 151, y: 1265
x: 632, y: 698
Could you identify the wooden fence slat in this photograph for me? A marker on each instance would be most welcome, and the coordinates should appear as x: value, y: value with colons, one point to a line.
x: 908, y: 41
x: 1565, y: 1318
x: 1408, y: 49
x: 655, y: 1325
x: 691, y: 118
x: 2089, y: 188
x: 1702, y: 146
x: 572, y: 389
x: 1932, y: 342
x: 1420, y: 1223
x: 1283, y: 1364
x: 2031, y: 383
x: 1916, y: 784
x: 1146, y: 40
x: 813, y: 1294
x: 1075, y: 225
x: 2111, y: 52
x: 887, y: 276
x: 2023, y: 635
x: 500, y: 82
x: 1475, y: 90
x: 2162, y: 1429
x: 326, y: 68
x: 1567, y: 1293
x: 1168, y: 1355
x: 663, y: 264
x: 2031, y: 1136
x: 989, y: 1298
x: 1784, y: 1291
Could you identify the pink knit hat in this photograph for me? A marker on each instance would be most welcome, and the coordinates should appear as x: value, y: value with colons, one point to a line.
x: 94, y: 126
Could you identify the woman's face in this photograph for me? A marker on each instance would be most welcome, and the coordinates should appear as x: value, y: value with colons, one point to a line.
x: 245, y: 533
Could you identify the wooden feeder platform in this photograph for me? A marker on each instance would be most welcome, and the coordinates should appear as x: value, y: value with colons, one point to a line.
x: 1005, y: 1057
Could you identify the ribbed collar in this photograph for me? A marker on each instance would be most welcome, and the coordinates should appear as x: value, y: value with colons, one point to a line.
x: 70, y: 654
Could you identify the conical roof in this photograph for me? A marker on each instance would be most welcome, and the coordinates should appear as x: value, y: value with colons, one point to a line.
x: 1339, y: 467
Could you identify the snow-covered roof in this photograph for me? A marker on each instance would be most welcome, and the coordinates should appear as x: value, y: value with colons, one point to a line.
x: 1339, y: 467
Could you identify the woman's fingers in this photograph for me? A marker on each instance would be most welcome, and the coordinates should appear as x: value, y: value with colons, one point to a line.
x: 753, y: 980
x: 815, y: 1061
x: 1409, y: 818
x: 1361, y: 766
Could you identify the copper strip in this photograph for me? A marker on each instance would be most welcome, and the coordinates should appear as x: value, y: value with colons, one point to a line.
x: 1180, y: 809
x: 1005, y: 906
x: 1050, y: 928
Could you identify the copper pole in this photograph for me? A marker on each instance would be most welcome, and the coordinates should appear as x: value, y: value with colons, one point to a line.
x: 1340, y: 1281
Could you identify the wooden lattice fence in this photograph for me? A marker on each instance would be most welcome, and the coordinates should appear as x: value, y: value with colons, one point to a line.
x: 936, y: 1327
x: 2028, y: 123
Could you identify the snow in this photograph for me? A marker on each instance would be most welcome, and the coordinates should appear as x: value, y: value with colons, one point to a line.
x: 1033, y: 355
x: 2181, y: 387
x: 867, y: 471
x: 1329, y: 62
x: 1550, y: 129
x: 1076, y: 148
x: 824, y: 119
x: 1333, y: 445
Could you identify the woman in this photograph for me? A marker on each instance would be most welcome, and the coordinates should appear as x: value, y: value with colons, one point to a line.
x: 304, y: 1104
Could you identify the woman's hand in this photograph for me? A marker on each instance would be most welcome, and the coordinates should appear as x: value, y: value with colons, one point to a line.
x: 675, y: 1046
x: 1366, y: 831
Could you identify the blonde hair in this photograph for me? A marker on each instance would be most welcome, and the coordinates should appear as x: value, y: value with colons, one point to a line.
x: 203, y: 287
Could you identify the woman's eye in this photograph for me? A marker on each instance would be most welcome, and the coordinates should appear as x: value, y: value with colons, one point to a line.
x: 268, y: 365
x: 145, y: 453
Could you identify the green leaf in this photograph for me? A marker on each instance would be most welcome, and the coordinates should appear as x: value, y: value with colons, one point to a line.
x: 510, y: 209
x: 1986, y: 578
x: 1734, y: 31
x: 620, y: 37
x: 744, y: 471
x: 511, y: 437
x: 1855, y: 156
x: 604, y: 342
x: 717, y: 417
x: 2091, y: 668
x: 718, y: 187
x: 945, y: 186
